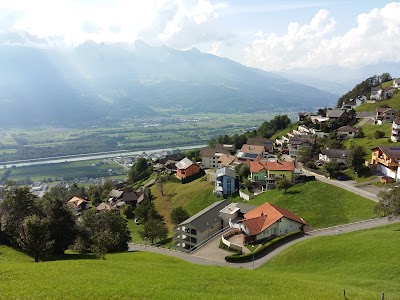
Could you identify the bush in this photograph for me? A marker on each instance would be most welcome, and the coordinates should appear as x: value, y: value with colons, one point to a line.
x: 379, y: 134
x: 226, y: 248
x: 264, y: 249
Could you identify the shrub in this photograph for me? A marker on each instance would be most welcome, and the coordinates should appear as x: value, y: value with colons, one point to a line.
x: 379, y: 134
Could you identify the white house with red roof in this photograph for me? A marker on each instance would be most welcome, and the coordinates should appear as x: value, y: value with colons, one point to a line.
x: 269, y: 221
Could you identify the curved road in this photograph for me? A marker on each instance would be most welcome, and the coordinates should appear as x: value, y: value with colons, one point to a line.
x: 207, y: 258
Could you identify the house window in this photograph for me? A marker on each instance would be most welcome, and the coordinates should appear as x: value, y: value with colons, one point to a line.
x: 228, y: 180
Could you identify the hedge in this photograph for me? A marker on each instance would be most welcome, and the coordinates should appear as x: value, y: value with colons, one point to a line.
x: 264, y: 249
x: 226, y: 248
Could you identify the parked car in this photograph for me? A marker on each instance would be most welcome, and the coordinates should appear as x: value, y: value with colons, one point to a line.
x: 137, y: 222
x: 341, y: 178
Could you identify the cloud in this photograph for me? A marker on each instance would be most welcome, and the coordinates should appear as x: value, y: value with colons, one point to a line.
x: 376, y: 38
x: 177, y: 23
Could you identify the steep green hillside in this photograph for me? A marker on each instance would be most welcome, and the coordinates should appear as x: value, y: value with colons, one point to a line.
x: 364, y: 263
x: 393, y: 102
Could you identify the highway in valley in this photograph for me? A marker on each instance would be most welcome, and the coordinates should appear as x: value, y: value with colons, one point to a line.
x: 100, y: 155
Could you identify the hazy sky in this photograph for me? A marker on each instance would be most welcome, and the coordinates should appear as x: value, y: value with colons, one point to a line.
x: 272, y: 35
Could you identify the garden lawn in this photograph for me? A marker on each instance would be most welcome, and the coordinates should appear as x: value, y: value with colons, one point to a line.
x: 364, y: 263
x: 320, y: 204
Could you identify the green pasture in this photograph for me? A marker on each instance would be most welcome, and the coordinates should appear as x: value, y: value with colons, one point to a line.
x: 87, y: 168
x: 394, y: 102
x: 320, y: 204
x: 362, y: 263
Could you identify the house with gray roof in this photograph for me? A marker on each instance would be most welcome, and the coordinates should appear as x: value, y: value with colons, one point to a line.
x: 334, y: 155
x: 198, y: 228
x: 396, y: 83
x: 225, y: 182
x: 339, y: 115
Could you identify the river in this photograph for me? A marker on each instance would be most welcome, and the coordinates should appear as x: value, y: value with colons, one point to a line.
x: 70, y: 158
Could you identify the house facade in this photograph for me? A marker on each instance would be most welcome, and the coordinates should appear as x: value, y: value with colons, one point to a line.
x: 266, y: 174
x: 200, y: 227
x: 385, y: 159
x: 385, y: 115
x: 396, y: 83
x: 334, y: 155
x: 346, y: 132
x: 269, y: 221
x: 209, y: 158
x: 266, y: 143
x: 186, y: 168
x: 297, y: 143
x: 338, y: 115
x: 395, y: 134
x: 225, y: 182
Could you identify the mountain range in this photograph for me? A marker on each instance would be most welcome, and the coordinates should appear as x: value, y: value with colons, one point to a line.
x: 94, y: 82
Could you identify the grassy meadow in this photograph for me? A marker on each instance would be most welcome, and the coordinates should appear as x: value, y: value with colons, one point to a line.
x: 364, y: 263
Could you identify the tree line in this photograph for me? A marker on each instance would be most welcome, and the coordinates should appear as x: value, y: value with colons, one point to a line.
x: 48, y: 226
x: 266, y: 130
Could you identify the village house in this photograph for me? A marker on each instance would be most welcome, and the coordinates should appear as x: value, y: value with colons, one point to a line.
x: 250, y: 153
x: 384, y: 115
x: 385, y: 159
x: 225, y: 148
x: 376, y: 93
x: 199, y: 227
x: 128, y: 196
x: 395, y: 134
x: 346, y: 132
x: 266, y: 143
x: 78, y: 205
x: 186, y: 168
x: 297, y: 143
x: 396, y: 83
x: 349, y: 105
x: 225, y: 182
x: 210, y: 156
x: 265, y: 174
x: 339, y: 115
x: 268, y: 221
x: 334, y: 155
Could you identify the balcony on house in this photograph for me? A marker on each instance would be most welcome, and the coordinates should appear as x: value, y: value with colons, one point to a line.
x: 387, y: 162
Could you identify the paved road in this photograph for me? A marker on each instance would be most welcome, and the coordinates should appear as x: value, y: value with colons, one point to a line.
x: 347, y: 185
x: 197, y: 257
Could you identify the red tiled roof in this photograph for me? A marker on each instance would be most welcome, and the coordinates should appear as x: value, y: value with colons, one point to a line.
x: 262, y: 217
x: 256, y: 166
x: 252, y: 149
x: 280, y: 166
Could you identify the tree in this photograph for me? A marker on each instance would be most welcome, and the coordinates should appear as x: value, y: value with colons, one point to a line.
x: 140, y: 170
x: 178, y: 215
x: 356, y: 159
x: 17, y: 204
x: 34, y: 236
x: 331, y: 167
x: 128, y: 211
x: 142, y: 210
x: 62, y: 224
x: 284, y: 184
x: 108, y: 232
x: 154, y: 229
x: 304, y: 154
x: 160, y: 183
x: 243, y: 170
x: 389, y: 203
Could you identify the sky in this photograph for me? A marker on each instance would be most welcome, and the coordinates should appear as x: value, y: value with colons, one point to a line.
x: 271, y: 35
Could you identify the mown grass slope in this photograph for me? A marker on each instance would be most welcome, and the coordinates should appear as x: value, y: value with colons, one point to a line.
x: 364, y: 263
x: 320, y: 204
